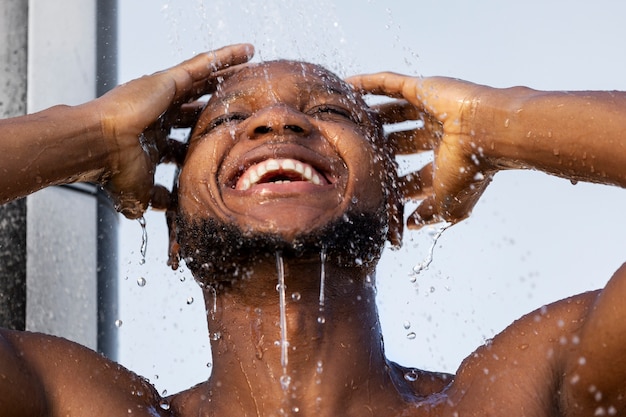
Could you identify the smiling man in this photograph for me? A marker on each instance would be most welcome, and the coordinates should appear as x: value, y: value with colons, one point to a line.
x: 285, y: 197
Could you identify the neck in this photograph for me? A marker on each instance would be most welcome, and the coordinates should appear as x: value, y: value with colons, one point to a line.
x: 304, y: 353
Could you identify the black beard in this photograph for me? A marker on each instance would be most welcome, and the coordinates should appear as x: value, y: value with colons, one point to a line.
x: 220, y: 253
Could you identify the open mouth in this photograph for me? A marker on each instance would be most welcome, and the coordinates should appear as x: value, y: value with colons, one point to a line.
x: 278, y: 172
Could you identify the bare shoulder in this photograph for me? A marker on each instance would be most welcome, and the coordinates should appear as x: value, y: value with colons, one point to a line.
x: 76, y: 381
x: 522, y: 367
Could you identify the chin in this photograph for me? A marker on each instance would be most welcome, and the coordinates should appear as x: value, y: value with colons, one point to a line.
x: 221, y: 253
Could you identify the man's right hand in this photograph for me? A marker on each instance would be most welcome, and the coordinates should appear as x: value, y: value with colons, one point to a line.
x: 136, y: 118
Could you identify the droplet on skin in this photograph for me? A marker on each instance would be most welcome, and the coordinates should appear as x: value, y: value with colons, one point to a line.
x: 285, y: 380
x: 411, y: 375
x: 118, y: 323
x: 164, y: 404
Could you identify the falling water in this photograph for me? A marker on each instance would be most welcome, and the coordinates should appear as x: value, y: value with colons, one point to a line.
x: 144, y: 239
x: 417, y: 269
x: 284, y: 343
x: 321, y: 319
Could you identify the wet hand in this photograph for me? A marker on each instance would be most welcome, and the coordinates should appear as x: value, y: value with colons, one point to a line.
x: 136, y: 119
x: 447, y: 108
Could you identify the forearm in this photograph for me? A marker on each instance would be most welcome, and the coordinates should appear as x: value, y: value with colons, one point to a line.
x: 59, y: 145
x: 575, y: 135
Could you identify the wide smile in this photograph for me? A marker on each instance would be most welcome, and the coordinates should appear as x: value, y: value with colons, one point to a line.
x: 278, y: 172
x: 284, y: 169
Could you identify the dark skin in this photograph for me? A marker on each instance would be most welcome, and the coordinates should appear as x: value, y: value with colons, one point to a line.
x: 564, y: 359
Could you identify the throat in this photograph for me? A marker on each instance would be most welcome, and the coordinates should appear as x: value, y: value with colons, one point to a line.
x: 313, y: 336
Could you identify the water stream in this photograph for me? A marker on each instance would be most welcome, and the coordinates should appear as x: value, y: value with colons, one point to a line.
x: 422, y: 266
x: 321, y: 319
x: 285, y: 380
x: 144, y: 240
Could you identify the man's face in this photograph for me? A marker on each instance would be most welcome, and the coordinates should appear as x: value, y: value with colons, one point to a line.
x: 282, y: 149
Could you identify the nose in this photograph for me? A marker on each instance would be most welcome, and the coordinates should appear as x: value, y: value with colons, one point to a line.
x: 278, y: 120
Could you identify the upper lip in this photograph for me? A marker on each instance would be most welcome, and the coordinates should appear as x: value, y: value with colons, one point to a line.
x: 326, y: 166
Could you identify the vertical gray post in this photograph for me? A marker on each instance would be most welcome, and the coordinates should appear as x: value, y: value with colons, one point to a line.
x: 13, y: 49
x: 108, y: 308
x: 57, y: 237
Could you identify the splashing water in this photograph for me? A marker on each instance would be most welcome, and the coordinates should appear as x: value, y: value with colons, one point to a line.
x: 321, y: 319
x: 144, y: 239
x: 417, y: 269
x: 284, y: 343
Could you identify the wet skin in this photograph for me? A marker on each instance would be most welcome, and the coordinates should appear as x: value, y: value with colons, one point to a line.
x: 564, y: 359
x: 292, y: 114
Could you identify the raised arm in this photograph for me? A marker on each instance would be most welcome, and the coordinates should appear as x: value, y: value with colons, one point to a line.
x: 115, y: 140
x: 476, y: 130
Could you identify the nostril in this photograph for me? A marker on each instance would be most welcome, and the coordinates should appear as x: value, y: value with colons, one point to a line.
x: 262, y: 130
x: 294, y: 128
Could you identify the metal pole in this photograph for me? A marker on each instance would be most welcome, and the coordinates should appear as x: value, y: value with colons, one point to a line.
x: 108, y: 308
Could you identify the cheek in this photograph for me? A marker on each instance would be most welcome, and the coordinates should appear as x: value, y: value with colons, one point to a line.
x: 198, y: 189
x: 365, y: 167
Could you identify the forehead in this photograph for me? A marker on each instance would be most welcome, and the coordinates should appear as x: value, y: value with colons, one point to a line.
x: 279, y: 80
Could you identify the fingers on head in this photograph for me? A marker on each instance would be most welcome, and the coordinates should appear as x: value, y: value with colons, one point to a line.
x: 383, y: 83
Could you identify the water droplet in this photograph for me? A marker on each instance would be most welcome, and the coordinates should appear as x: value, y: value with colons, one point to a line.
x: 523, y: 346
x: 209, y: 364
x: 406, y: 325
x: 285, y: 380
x: 411, y: 375
x: 141, y: 281
x: 321, y: 320
x: 296, y: 296
x: 164, y: 404
x: 144, y: 239
x: 506, y: 123
x: 411, y: 335
x: 118, y: 323
x: 215, y: 336
x: 189, y: 300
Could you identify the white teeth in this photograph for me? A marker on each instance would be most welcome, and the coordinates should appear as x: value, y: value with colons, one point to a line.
x: 272, y: 165
x: 308, y: 173
x: 289, y: 165
x: 255, y: 173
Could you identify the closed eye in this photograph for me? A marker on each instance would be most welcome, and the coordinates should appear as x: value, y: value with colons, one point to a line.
x: 225, y: 118
x: 326, y: 111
